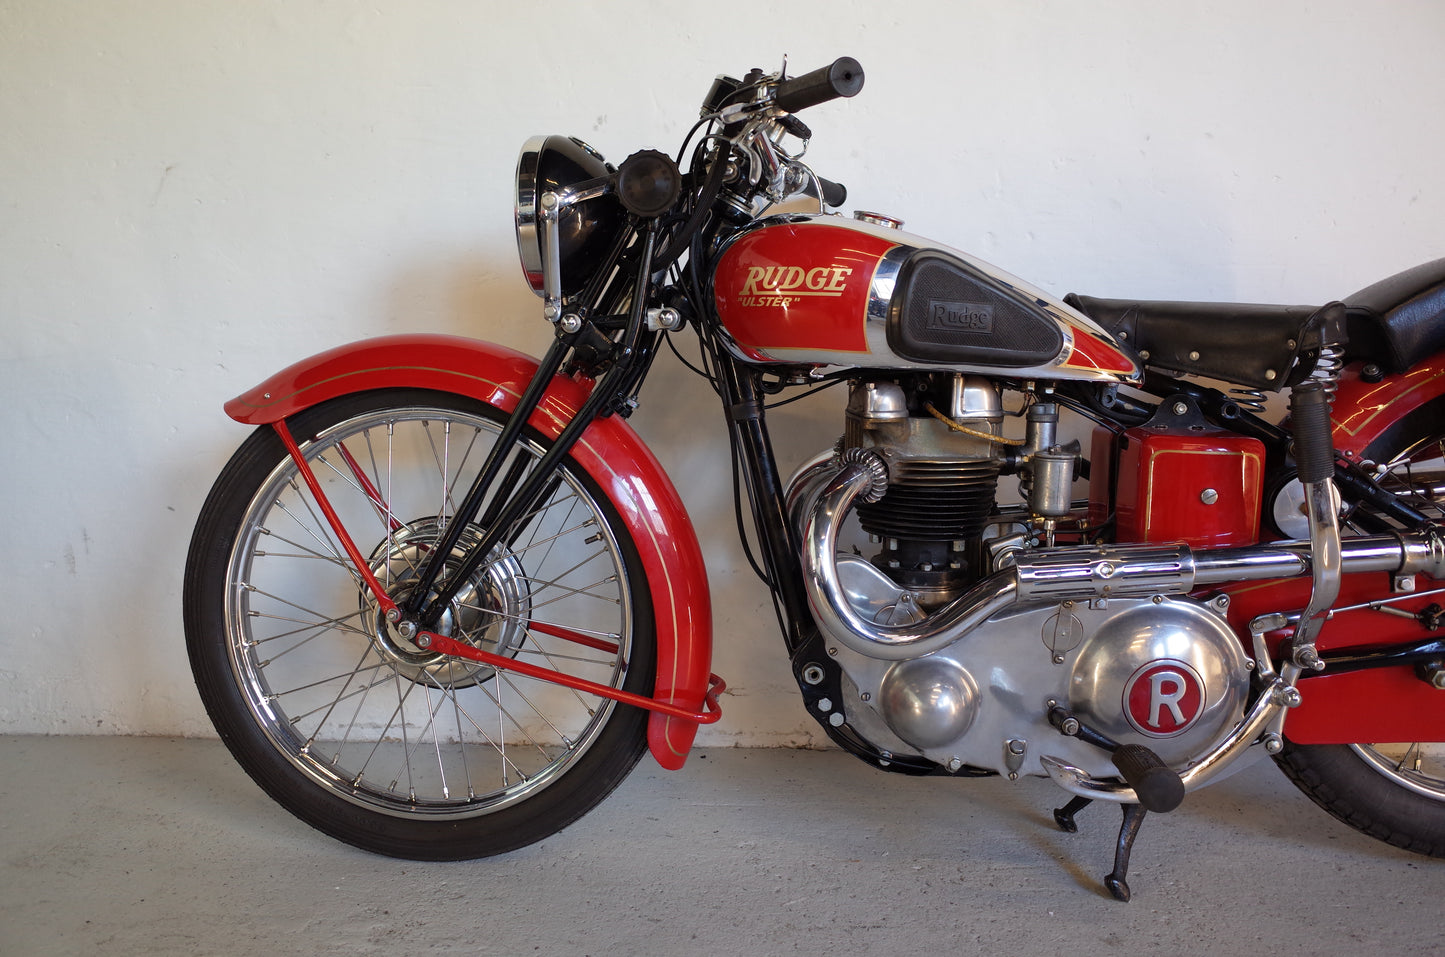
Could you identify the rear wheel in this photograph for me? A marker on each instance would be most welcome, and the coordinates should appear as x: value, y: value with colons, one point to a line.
x: 349, y: 725
x: 1391, y: 791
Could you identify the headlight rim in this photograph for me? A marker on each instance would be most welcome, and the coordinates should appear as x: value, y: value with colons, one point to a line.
x: 529, y: 246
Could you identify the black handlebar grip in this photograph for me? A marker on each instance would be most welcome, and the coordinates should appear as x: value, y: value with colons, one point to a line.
x: 834, y: 194
x: 843, y: 77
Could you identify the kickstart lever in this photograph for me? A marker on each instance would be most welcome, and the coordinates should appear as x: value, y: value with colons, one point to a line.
x: 1157, y: 785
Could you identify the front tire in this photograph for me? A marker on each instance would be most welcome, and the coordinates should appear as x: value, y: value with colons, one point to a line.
x: 1393, y: 792
x: 352, y: 728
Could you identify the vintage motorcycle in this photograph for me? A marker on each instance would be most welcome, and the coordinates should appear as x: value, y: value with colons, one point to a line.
x: 443, y: 598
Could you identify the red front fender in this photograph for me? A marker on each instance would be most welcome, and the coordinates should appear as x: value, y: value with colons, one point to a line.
x: 610, y: 452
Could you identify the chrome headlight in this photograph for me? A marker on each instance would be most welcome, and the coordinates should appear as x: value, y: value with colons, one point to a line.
x: 586, y: 229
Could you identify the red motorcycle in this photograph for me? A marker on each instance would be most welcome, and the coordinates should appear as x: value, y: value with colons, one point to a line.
x: 443, y: 598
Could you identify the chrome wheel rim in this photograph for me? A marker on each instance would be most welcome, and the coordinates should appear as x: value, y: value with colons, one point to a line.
x: 369, y: 716
x: 1416, y: 766
x: 1416, y: 475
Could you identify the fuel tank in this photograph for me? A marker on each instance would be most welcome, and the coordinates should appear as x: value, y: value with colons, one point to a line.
x: 825, y: 290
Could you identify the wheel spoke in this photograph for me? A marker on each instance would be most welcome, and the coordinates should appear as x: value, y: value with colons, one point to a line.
x: 498, y: 745
x: 327, y: 543
x: 341, y: 696
x: 561, y: 736
x: 532, y: 542
x: 304, y: 554
x: 551, y: 539
x: 372, y: 719
x: 552, y: 657
x: 320, y: 620
x: 321, y: 623
x: 569, y: 592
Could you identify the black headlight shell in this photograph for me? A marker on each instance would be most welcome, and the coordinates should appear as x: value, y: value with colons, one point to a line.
x: 587, y: 229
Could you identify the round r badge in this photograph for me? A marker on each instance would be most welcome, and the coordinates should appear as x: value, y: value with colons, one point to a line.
x: 1163, y: 698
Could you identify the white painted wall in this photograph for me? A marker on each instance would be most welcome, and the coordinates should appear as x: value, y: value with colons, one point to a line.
x: 195, y: 194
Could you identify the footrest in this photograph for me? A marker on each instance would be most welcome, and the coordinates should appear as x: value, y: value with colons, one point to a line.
x: 1155, y: 783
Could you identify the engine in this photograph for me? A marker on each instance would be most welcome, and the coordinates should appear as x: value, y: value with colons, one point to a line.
x: 1168, y: 674
x: 942, y: 438
x: 942, y: 478
x: 955, y: 633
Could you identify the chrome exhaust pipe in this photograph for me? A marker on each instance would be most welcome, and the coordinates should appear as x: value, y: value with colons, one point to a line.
x: 1080, y: 573
x: 865, y: 474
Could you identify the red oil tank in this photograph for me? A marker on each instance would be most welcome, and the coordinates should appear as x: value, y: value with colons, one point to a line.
x: 1197, y: 485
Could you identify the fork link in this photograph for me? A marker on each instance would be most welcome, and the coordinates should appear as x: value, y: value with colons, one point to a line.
x: 427, y: 605
x: 433, y: 563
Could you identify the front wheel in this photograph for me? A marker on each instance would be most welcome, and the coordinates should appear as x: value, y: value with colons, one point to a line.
x: 1393, y: 792
x: 350, y: 726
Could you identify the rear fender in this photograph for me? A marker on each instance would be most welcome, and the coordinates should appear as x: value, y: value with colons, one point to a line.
x: 1386, y: 704
x: 609, y: 451
x: 1364, y: 411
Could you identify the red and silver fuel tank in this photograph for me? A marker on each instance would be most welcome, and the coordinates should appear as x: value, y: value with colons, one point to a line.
x: 825, y: 290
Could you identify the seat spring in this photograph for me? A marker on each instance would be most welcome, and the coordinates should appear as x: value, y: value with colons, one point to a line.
x: 1251, y: 399
x: 1327, y: 368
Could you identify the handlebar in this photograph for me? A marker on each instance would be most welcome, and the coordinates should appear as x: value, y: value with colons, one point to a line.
x: 843, y: 77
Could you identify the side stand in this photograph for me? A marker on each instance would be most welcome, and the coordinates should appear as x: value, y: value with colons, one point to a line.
x: 1134, y: 814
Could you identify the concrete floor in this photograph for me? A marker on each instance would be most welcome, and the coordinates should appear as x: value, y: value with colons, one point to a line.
x: 157, y: 846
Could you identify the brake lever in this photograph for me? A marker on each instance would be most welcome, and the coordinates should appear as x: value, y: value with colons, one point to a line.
x: 795, y: 126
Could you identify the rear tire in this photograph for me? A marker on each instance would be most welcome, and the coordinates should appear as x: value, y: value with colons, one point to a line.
x: 363, y: 735
x: 1367, y: 788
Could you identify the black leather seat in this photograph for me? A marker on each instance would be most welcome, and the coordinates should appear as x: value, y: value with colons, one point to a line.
x: 1396, y: 323
x: 1252, y: 345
